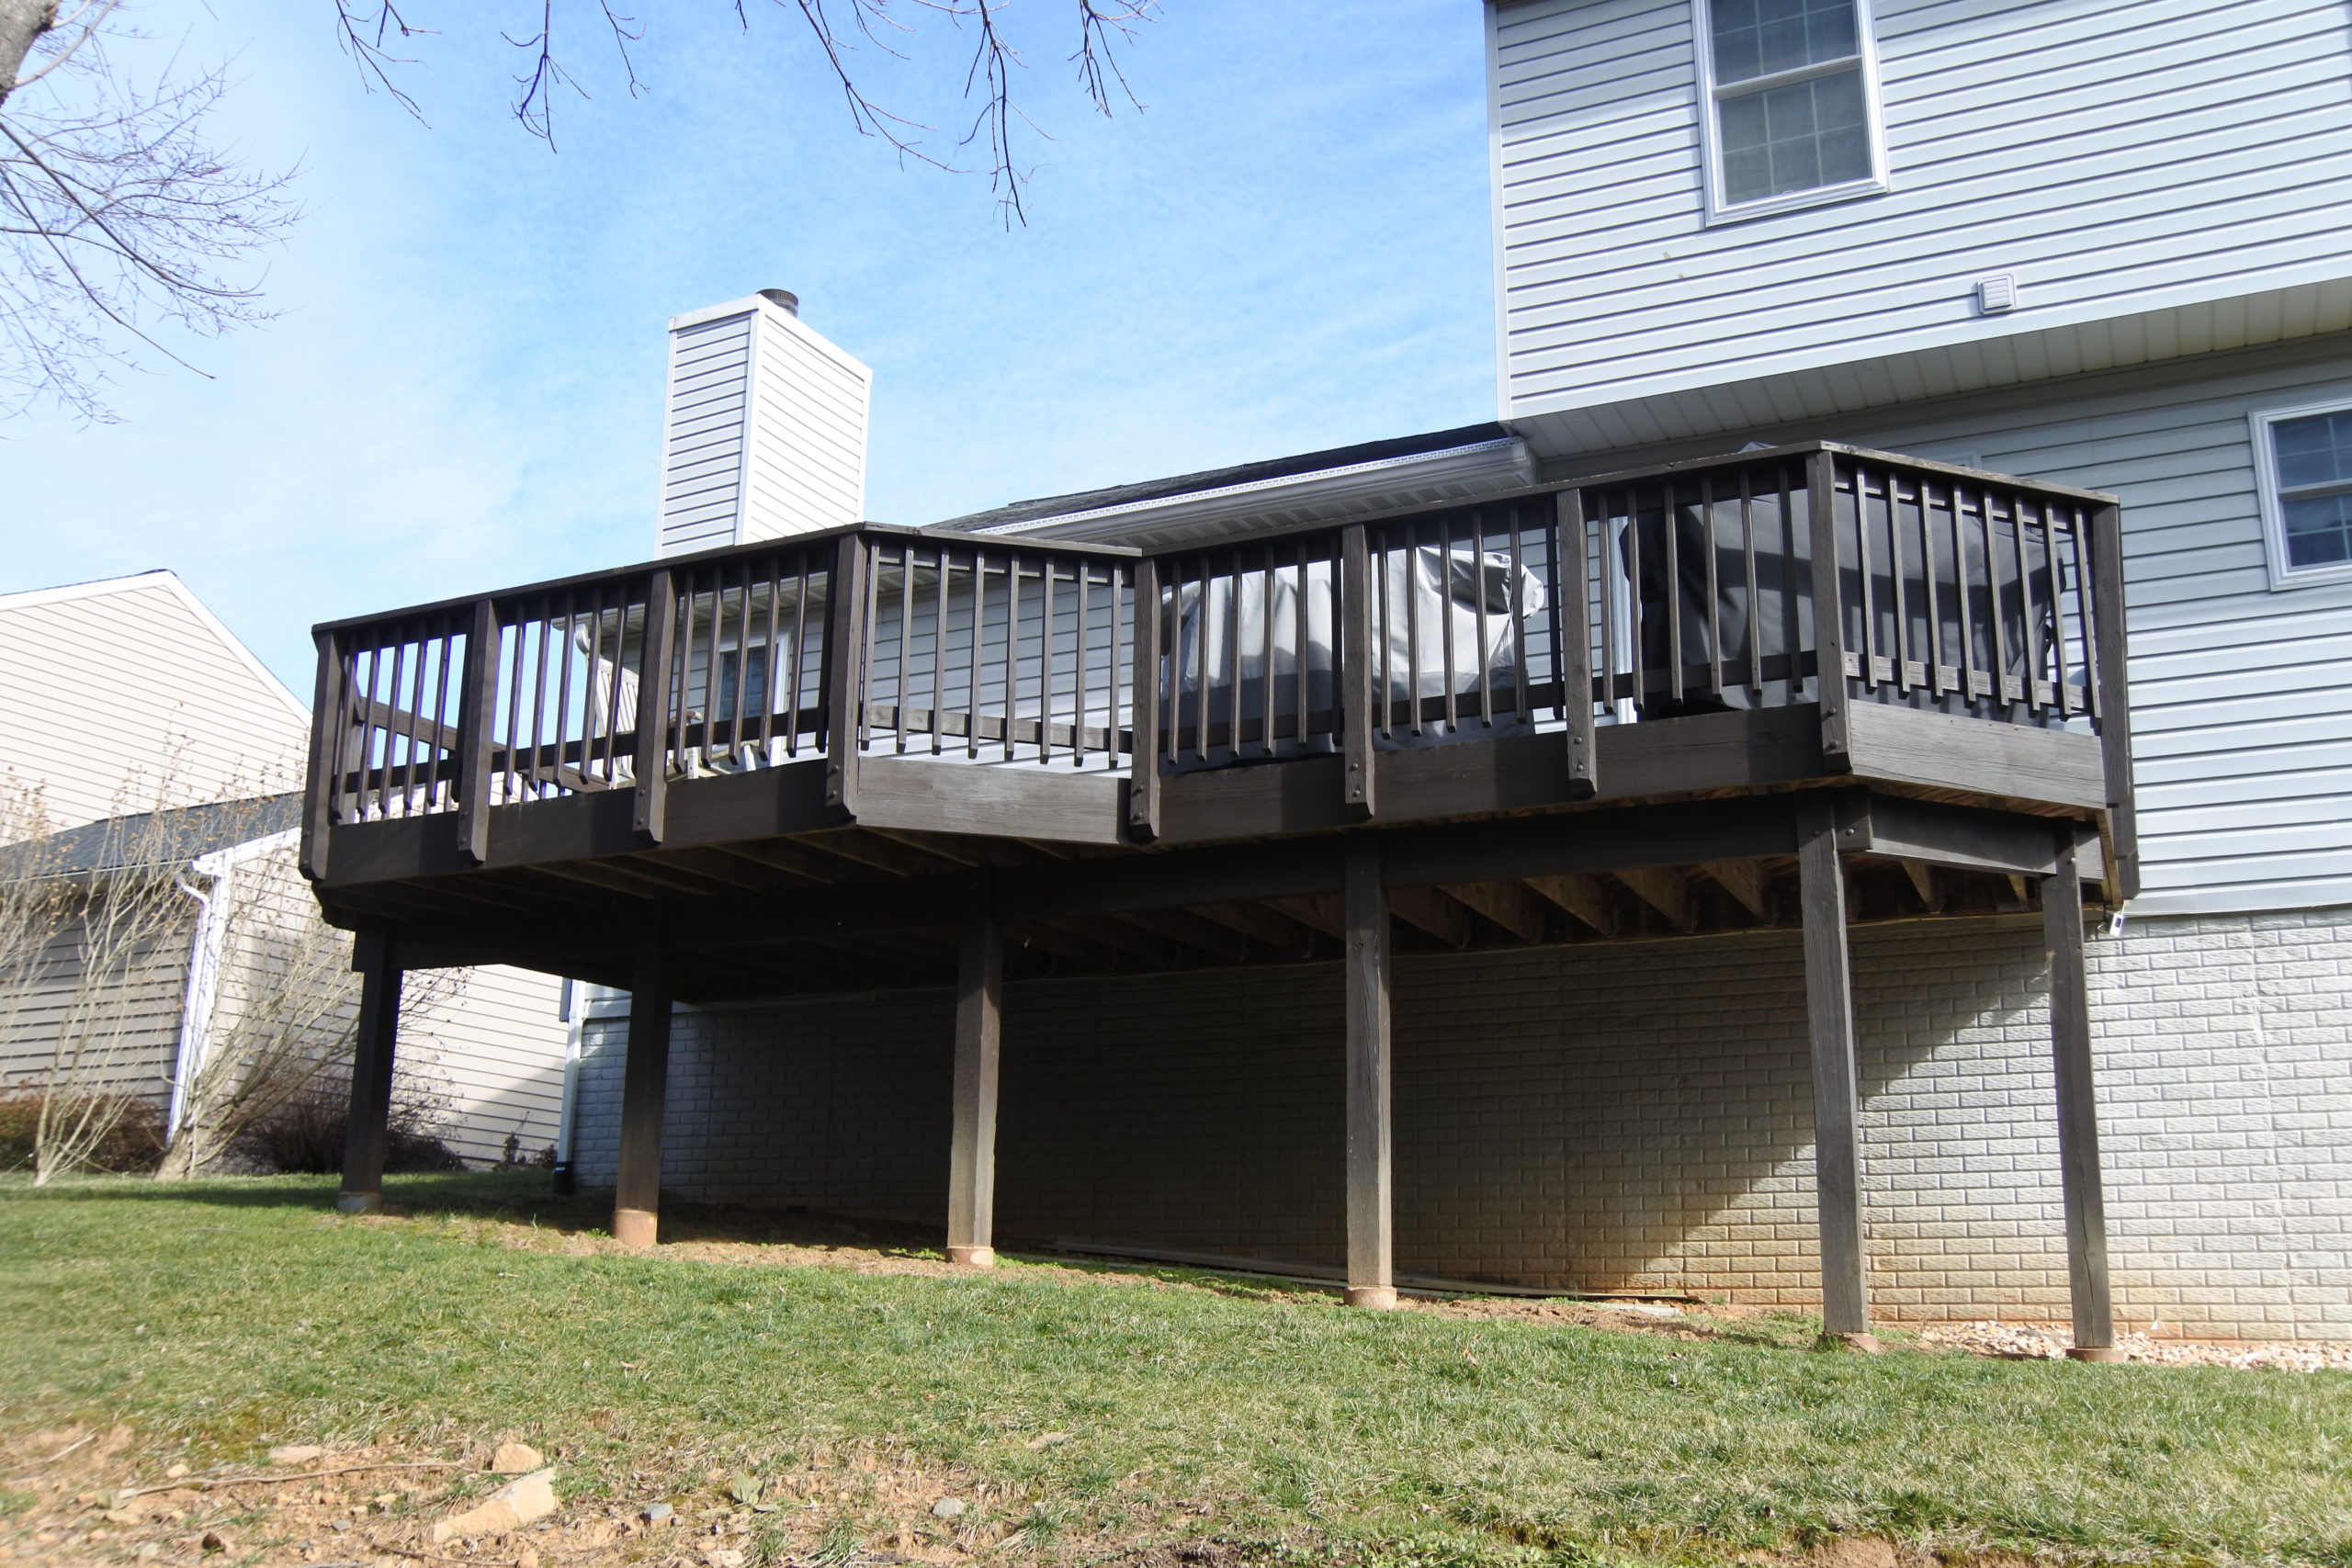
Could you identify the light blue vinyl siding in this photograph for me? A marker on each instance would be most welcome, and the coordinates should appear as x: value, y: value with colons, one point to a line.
x: 2240, y: 697
x: 2112, y: 155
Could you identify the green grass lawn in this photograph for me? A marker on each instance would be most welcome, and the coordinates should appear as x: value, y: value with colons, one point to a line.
x: 225, y: 1315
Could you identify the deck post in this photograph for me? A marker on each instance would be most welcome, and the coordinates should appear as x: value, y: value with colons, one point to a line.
x: 1575, y: 651
x: 656, y: 679
x: 1837, y: 1095
x: 1828, y: 608
x: 1371, y: 1263
x: 1143, y: 708
x: 971, y: 1154
x: 645, y: 1087
x: 366, y: 1126
x: 2079, y: 1163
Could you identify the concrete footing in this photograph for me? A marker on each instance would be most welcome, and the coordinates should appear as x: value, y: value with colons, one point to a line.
x: 1373, y: 1297
x: 2094, y: 1353
x: 636, y: 1228
x: 972, y: 1256
x: 361, y: 1202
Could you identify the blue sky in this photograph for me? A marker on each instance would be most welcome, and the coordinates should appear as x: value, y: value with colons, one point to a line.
x: 1289, y: 248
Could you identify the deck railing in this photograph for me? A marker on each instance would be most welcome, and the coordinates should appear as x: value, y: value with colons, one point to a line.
x: 1658, y: 593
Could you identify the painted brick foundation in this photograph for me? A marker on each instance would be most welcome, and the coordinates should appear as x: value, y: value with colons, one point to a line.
x: 1611, y: 1117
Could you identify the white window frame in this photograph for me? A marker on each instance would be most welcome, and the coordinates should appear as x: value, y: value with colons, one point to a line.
x: 1711, y: 96
x: 2267, y: 489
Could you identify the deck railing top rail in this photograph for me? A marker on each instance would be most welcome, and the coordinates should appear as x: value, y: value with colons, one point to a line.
x: 1650, y: 593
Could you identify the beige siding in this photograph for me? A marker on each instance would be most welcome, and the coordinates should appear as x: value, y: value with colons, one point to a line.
x: 493, y: 1047
x: 127, y: 697
x: 119, y: 1036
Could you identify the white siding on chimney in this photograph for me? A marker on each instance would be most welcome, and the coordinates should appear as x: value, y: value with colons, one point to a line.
x: 764, y: 431
x: 2113, y: 158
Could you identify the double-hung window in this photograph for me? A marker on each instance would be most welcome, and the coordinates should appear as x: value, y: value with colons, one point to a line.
x: 1792, y: 102
x: 2305, y: 456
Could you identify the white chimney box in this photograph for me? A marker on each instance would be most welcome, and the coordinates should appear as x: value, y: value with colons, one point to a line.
x: 763, y: 429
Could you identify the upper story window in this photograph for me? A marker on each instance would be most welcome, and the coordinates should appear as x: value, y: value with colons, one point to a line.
x: 2305, y: 458
x: 1792, y: 90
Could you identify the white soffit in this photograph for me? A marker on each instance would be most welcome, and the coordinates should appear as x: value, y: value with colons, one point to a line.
x: 1978, y: 363
x: 1452, y: 473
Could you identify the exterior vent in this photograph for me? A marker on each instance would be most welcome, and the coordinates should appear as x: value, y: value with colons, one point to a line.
x: 764, y: 433
x: 1996, y: 294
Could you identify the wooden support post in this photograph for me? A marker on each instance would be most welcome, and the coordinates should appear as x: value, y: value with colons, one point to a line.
x: 654, y: 680
x: 1575, y: 637
x: 2079, y: 1163
x: 1142, y: 717
x: 1371, y: 1264
x: 971, y: 1157
x: 645, y: 1090
x: 1828, y: 610
x: 1358, y: 720
x: 1837, y: 1096
x: 371, y: 1071
x: 477, y: 718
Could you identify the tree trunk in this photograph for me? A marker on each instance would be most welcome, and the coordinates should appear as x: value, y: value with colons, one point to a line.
x: 21, y: 22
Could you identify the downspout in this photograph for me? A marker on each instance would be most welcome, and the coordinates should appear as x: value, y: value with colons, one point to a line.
x: 565, y: 1180
x: 203, y: 984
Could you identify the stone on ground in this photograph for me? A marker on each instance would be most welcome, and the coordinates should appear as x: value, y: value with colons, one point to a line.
x: 297, y: 1453
x: 516, y: 1459
x: 512, y: 1506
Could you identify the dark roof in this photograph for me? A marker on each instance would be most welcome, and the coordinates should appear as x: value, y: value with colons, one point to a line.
x: 153, y: 838
x: 1217, y: 479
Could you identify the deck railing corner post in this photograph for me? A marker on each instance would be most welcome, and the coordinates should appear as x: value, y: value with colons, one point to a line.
x: 477, y: 711
x: 1575, y: 614
x: 845, y: 674
x: 1358, y: 722
x: 1144, y: 703
x: 2111, y: 675
x: 1828, y: 608
x: 654, y: 678
x: 329, y: 750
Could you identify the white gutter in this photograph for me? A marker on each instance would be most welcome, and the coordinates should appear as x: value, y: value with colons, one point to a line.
x: 1497, y: 463
x: 202, y: 993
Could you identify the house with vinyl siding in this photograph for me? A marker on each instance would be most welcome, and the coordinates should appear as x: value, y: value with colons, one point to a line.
x: 2071, y: 260
x: 185, y: 785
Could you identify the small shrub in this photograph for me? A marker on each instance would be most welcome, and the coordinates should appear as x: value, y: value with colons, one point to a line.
x: 135, y: 1139
x: 303, y: 1133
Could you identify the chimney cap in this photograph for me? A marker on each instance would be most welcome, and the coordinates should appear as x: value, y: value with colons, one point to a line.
x: 784, y: 297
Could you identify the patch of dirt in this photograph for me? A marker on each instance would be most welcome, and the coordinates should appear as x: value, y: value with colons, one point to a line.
x: 376, y: 1508
x: 2022, y: 1341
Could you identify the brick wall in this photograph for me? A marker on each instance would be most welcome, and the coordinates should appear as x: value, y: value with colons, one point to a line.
x: 1632, y: 1116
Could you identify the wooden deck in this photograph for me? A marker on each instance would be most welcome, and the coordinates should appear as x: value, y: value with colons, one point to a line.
x: 1575, y: 713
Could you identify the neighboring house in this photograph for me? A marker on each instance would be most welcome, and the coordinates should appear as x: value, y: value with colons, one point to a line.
x: 2090, y: 247
x: 162, y: 749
